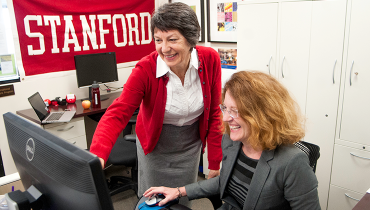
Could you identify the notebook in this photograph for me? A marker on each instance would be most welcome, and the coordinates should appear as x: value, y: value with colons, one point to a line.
x: 43, y: 113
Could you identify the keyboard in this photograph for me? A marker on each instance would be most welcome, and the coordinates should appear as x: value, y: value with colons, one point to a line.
x: 55, y: 116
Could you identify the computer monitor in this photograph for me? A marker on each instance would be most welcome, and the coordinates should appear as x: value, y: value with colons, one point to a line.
x: 99, y: 67
x: 67, y: 176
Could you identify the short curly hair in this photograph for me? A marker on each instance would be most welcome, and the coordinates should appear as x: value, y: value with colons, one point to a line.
x: 266, y: 106
x: 177, y: 16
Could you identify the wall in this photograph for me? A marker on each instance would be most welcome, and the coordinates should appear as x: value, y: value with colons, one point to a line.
x: 49, y: 85
x: 55, y: 84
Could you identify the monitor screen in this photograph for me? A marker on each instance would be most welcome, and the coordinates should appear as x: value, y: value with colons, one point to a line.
x: 100, y: 67
x: 69, y: 177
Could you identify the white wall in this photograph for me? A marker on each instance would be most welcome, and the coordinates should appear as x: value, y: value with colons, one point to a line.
x: 49, y: 85
x: 52, y: 85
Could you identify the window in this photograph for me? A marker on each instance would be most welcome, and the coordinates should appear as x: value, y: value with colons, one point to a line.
x: 8, y: 69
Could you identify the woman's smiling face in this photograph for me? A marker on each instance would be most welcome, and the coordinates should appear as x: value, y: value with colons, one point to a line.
x: 173, y: 48
x: 239, y: 129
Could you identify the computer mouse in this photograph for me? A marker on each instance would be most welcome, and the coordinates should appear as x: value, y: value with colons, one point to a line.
x: 154, y: 200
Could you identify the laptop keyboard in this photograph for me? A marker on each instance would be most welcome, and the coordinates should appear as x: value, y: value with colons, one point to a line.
x: 55, y: 116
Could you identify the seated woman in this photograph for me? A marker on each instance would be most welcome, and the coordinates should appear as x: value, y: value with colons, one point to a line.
x: 261, y: 168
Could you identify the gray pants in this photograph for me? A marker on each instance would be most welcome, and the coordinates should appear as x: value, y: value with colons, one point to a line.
x: 174, y: 162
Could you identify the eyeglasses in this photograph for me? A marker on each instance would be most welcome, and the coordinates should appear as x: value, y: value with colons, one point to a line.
x: 233, y: 113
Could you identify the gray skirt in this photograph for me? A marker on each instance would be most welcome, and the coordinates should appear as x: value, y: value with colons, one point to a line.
x: 174, y: 162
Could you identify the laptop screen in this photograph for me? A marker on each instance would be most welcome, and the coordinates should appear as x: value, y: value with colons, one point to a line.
x: 39, y: 106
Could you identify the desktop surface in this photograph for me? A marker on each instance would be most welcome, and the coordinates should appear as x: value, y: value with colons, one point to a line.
x: 364, y: 203
x: 80, y: 111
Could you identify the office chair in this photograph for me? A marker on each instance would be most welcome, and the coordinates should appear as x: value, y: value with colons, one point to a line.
x: 311, y: 150
x: 124, y: 154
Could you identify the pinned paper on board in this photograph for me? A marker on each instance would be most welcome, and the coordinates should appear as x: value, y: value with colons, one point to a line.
x: 6, y: 64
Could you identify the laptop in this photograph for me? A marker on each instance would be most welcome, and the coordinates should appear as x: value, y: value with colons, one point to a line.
x: 43, y: 113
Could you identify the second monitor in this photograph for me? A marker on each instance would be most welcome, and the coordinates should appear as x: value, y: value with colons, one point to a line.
x: 99, y: 67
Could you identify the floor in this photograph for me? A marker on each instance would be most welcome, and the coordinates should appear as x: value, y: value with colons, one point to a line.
x: 127, y: 200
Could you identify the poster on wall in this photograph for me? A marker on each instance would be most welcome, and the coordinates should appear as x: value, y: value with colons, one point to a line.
x: 228, y: 58
x: 198, y: 7
x: 222, y: 20
x: 51, y: 33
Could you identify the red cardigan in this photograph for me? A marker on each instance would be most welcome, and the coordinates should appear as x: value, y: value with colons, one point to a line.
x: 144, y: 89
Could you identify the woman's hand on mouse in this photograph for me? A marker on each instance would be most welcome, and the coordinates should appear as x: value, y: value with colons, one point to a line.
x: 169, y: 193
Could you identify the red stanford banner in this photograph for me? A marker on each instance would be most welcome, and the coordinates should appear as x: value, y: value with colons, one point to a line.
x: 52, y: 32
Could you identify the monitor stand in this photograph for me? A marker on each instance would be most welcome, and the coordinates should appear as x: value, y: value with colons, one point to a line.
x: 102, y: 97
x: 32, y: 198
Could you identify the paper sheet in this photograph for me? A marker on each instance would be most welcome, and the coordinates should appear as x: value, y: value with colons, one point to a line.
x: 6, y: 67
x: 3, y: 45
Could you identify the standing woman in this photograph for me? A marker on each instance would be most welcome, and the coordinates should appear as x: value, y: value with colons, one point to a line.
x: 178, y: 88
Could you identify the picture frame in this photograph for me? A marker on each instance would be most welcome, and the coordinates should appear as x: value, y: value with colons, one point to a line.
x: 228, y: 57
x: 198, y: 7
x: 222, y: 21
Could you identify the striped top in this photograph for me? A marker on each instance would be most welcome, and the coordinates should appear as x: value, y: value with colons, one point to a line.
x: 241, y: 177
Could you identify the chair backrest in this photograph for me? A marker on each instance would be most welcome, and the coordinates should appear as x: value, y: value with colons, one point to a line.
x: 311, y: 150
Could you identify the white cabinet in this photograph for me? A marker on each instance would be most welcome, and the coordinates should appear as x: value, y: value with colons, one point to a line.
x: 319, y: 50
x: 275, y: 38
x: 309, y: 50
x: 351, y: 162
x: 351, y: 168
x: 323, y: 84
x: 356, y: 100
x: 257, y: 31
x: 342, y: 198
x: 350, y: 174
x: 294, y: 48
x: 73, y: 131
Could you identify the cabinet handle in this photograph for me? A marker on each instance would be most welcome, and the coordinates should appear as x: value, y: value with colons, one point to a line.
x: 351, y: 197
x: 282, y: 65
x: 335, y: 63
x: 350, y: 74
x: 359, y: 156
x: 270, y: 64
x: 66, y: 129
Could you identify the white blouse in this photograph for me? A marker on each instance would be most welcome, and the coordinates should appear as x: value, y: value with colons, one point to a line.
x: 184, y: 104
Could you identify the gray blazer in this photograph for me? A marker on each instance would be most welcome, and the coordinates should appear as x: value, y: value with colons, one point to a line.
x: 283, y: 177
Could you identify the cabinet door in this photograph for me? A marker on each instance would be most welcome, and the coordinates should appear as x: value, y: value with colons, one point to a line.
x: 356, y: 100
x: 342, y: 199
x: 325, y: 64
x: 74, y: 128
x: 294, y: 48
x: 257, y: 32
x: 351, y: 168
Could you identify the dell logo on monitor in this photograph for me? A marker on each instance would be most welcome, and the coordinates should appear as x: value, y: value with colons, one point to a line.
x: 30, y: 149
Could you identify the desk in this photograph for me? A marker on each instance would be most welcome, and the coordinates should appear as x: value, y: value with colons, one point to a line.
x: 10, y: 183
x: 89, y: 124
x: 364, y: 203
x: 80, y: 111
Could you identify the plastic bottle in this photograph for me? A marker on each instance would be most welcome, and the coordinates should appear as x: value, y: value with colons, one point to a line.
x: 95, y: 95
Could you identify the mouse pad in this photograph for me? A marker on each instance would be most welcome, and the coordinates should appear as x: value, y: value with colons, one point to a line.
x: 143, y: 206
